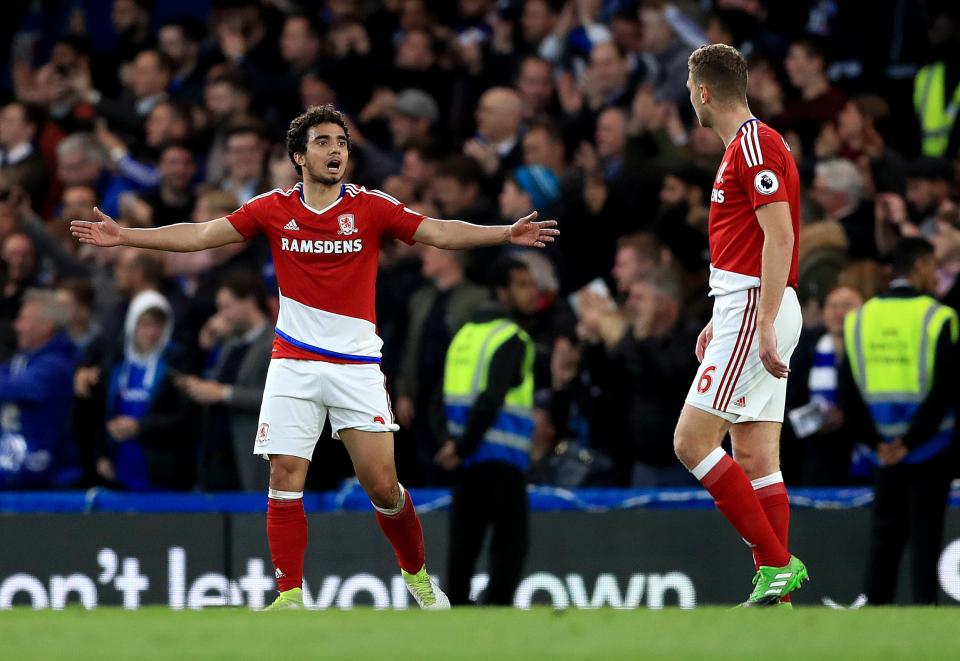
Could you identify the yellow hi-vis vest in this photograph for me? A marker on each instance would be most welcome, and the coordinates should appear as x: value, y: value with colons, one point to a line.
x: 936, y: 111
x: 891, y: 344
x: 465, y: 375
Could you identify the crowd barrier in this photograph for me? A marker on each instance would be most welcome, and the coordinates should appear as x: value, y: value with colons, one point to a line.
x: 589, y: 548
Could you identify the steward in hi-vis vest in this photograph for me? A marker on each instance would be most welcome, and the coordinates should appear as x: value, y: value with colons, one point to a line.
x: 488, y: 398
x: 896, y: 389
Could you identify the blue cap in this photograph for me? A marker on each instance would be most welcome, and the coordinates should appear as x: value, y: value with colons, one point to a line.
x: 539, y: 182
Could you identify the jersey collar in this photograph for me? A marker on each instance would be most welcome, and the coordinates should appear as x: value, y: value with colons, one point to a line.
x: 752, y: 119
x: 343, y: 190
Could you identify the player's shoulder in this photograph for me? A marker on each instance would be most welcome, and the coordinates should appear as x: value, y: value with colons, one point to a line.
x: 272, y: 198
x: 759, y: 144
x: 369, y: 195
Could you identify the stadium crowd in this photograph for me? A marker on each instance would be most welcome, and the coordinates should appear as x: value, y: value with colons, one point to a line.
x: 136, y: 370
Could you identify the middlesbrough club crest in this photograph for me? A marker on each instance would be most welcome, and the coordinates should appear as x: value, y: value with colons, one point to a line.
x: 346, y: 223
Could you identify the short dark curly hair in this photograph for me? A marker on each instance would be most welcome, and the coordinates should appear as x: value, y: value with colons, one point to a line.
x: 300, y: 126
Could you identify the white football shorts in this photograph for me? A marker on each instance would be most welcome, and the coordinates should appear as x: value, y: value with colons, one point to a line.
x: 300, y: 394
x: 732, y: 383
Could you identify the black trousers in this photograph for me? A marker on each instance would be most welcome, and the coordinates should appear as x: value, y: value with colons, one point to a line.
x: 489, y: 495
x: 910, y: 504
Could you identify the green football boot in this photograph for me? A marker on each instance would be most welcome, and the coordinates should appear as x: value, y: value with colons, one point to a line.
x: 774, y: 583
x: 291, y: 599
x: 427, y: 595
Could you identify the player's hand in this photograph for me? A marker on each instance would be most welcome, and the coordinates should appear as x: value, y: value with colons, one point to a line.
x: 528, y: 232
x: 703, y: 340
x: 123, y: 428
x: 104, y: 233
x: 447, y: 456
x: 891, y: 454
x: 769, y: 355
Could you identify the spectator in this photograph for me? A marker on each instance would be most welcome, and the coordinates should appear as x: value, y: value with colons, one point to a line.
x: 82, y: 162
x: 607, y: 81
x: 543, y: 145
x: 650, y: 367
x: 36, y: 451
x: 245, y: 162
x: 167, y: 122
x: 226, y: 100
x: 173, y: 200
x: 415, y: 66
x: 529, y: 188
x: 135, y: 271
x: 242, y: 35
x: 819, y: 102
x: 240, y: 339
x: 456, y: 190
x: 637, y: 256
x: 537, y: 22
x: 929, y: 183
x: 148, y: 430
x: 21, y: 165
x: 436, y: 312
x: 536, y: 88
x: 816, y: 427
x: 411, y: 117
x: 131, y: 23
x: 179, y: 41
x: 838, y: 188
x: 669, y: 74
x: 301, y: 44
x: 496, y: 146
x: 148, y: 79
x: 76, y: 296
x: 19, y: 273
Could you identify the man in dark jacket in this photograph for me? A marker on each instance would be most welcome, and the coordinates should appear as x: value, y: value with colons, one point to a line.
x: 36, y: 450
x: 240, y: 339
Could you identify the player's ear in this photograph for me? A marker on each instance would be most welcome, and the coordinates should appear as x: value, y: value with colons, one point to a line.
x: 299, y: 158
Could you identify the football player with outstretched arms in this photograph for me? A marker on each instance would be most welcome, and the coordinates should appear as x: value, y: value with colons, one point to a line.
x: 325, y: 236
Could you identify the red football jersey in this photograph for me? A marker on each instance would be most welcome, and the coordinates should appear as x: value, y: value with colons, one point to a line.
x: 757, y: 169
x: 326, y: 262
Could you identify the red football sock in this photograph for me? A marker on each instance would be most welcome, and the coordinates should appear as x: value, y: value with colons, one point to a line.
x: 736, y: 499
x: 772, y: 494
x: 404, y: 533
x: 287, y: 535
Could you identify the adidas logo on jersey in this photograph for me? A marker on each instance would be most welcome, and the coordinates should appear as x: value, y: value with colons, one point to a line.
x: 278, y: 574
x: 740, y: 402
x: 292, y: 226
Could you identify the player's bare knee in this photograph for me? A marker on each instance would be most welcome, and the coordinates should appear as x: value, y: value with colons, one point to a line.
x: 383, y: 492
x: 286, y: 473
x: 687, y: 446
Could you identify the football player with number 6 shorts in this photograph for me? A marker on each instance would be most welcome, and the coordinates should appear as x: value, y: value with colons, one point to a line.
x: 745, y: 349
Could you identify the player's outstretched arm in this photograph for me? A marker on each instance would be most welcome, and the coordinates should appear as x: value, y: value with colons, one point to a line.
x: 182, y: 237
x: 456, y: 234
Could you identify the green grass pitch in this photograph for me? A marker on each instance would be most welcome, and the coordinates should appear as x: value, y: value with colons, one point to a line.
x: 497, y: 634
